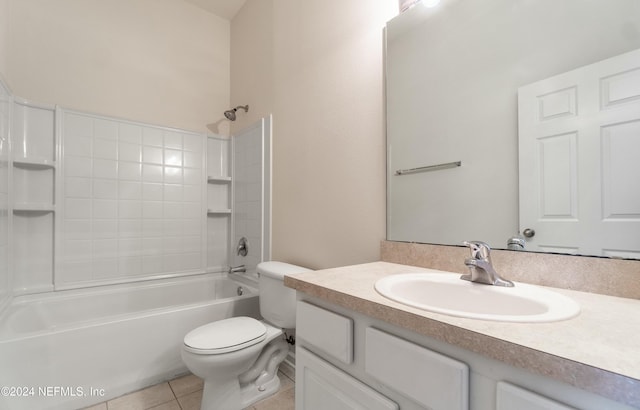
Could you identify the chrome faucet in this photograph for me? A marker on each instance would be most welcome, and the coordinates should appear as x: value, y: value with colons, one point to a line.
x: 237, y: 269
x: 516, y: 243
x: 480, y: 267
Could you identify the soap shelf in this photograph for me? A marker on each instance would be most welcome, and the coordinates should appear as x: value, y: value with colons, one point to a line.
x: 34, y: 163
x: 33, y: 195
x: 213, y: 180
x: 33, y: 207
x: 218, y: 211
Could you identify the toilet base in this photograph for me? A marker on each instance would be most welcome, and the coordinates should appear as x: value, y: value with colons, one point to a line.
x: 235, y: 393
x: 262, y: 379
x: 252, y: 393
x: 227, y: 396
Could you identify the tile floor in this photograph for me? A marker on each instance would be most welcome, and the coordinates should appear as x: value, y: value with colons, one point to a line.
x: 185, y: 393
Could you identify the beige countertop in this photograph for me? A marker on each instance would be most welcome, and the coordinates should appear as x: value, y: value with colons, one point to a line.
x: 597, y: 351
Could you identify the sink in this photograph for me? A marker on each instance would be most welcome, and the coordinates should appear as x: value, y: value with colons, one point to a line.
x: 446, y: 293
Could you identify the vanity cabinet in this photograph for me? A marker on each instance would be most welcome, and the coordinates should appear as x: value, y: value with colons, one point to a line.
x: 319, y: 385
x: 417, y: 374
x: 347, y: 360
x: 509, y: 396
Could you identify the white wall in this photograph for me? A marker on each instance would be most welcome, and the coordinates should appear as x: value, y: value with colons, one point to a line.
x: 163, y: 62
x: 4, y: 35
x: 317, y: 65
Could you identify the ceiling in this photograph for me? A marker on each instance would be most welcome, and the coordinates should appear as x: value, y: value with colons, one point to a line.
x: 226, y: 9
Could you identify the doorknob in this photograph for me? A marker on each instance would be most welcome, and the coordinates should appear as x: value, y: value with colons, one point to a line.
x: 529, y: 233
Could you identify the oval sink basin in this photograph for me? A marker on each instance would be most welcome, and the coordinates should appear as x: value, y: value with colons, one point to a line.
x: 448, y: 294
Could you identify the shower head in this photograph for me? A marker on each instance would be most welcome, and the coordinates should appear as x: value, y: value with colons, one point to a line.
x: 231, y: 114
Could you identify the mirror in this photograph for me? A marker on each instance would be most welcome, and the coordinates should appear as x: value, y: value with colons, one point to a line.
x: 453, y: 73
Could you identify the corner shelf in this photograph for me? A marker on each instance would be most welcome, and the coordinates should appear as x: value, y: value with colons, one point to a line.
x: 218, y: 211
x: 218, y: 186
x: 214, y: 180
x: 33, y: 210
x: 34, y: 163
x: 33, y: 207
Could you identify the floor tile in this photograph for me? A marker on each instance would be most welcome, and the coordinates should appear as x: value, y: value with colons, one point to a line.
x: 101, y: 406
x: 172, y: 405
x: 285, y: 382
x: 283, y: 400
x: 143, y: 399
x: 191, y: 401
x: 186, y: 384
x: 185, y: 393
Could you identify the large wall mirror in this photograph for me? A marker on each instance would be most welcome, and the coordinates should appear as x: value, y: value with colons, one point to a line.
x: 455, y: 74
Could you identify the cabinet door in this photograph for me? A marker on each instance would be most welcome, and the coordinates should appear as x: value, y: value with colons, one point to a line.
x: 429, y: 378
x: 321, y: 386
x: 510, y: 397
x: 328, y: 332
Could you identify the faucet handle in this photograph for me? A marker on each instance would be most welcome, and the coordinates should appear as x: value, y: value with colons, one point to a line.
x: 479, y: 250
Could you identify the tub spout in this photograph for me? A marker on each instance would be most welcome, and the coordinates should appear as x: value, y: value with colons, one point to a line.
x: 237, y: 269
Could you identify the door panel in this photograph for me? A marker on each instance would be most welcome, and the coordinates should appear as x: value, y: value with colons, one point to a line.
x: 579, y: 136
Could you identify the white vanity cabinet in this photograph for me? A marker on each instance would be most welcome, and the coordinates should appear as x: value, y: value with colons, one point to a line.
x: 337, y: 369
x: 509, y: 397
x: 347, y: 360
x: 320, y: 386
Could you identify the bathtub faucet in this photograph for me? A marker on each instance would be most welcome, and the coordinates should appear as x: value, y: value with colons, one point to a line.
x: 237, y: 269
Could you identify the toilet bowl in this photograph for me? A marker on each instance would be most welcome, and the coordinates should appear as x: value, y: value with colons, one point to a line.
x: 238, y: 358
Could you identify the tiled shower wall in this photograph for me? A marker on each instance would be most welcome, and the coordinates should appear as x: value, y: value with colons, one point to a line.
x: 133, y: 202
x: 5, y: 115
x: 98, y: 200
x: 251, y: 173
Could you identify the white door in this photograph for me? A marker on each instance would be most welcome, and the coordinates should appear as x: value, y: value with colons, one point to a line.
x: 579, y: 136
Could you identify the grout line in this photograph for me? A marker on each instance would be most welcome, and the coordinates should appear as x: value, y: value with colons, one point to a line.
x: 175, y: 396
x: 172, y: 391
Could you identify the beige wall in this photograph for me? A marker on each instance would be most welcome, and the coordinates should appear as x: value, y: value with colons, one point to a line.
x: 4, y: 34
x: 164, y: 62
x: 317, y: 66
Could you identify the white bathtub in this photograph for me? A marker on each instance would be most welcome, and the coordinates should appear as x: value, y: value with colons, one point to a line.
x: 75, y: 348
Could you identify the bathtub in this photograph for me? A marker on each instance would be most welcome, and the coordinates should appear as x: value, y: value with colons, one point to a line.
x: 72, y: 349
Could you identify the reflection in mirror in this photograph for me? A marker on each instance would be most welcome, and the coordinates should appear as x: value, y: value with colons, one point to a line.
x: 453, y: 75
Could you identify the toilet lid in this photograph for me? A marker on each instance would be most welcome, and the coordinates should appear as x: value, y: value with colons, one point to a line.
x: 225, y: 335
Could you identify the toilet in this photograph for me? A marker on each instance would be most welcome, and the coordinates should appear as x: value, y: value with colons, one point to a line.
x: 238, y: 358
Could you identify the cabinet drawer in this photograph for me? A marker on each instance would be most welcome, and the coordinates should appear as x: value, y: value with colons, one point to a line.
x: 325, y: 331
x: 429, y: 378
x: 321, y: 386
x: 510, y: 397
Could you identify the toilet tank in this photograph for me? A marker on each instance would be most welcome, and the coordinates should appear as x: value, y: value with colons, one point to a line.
x: 277, y: 302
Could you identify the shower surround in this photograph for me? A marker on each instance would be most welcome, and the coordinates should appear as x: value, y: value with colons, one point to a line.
x: 5, y: 115
x: 129, y: 224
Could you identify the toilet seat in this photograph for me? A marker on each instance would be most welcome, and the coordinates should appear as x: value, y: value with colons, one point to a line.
x: 225, y: 336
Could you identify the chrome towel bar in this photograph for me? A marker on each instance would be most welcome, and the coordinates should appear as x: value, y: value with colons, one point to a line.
x: 429, y: 168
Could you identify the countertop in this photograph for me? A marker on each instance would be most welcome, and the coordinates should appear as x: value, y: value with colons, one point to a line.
x: 597, y: 351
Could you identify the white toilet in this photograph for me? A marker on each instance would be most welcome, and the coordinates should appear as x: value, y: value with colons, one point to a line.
x: 238, y: 358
